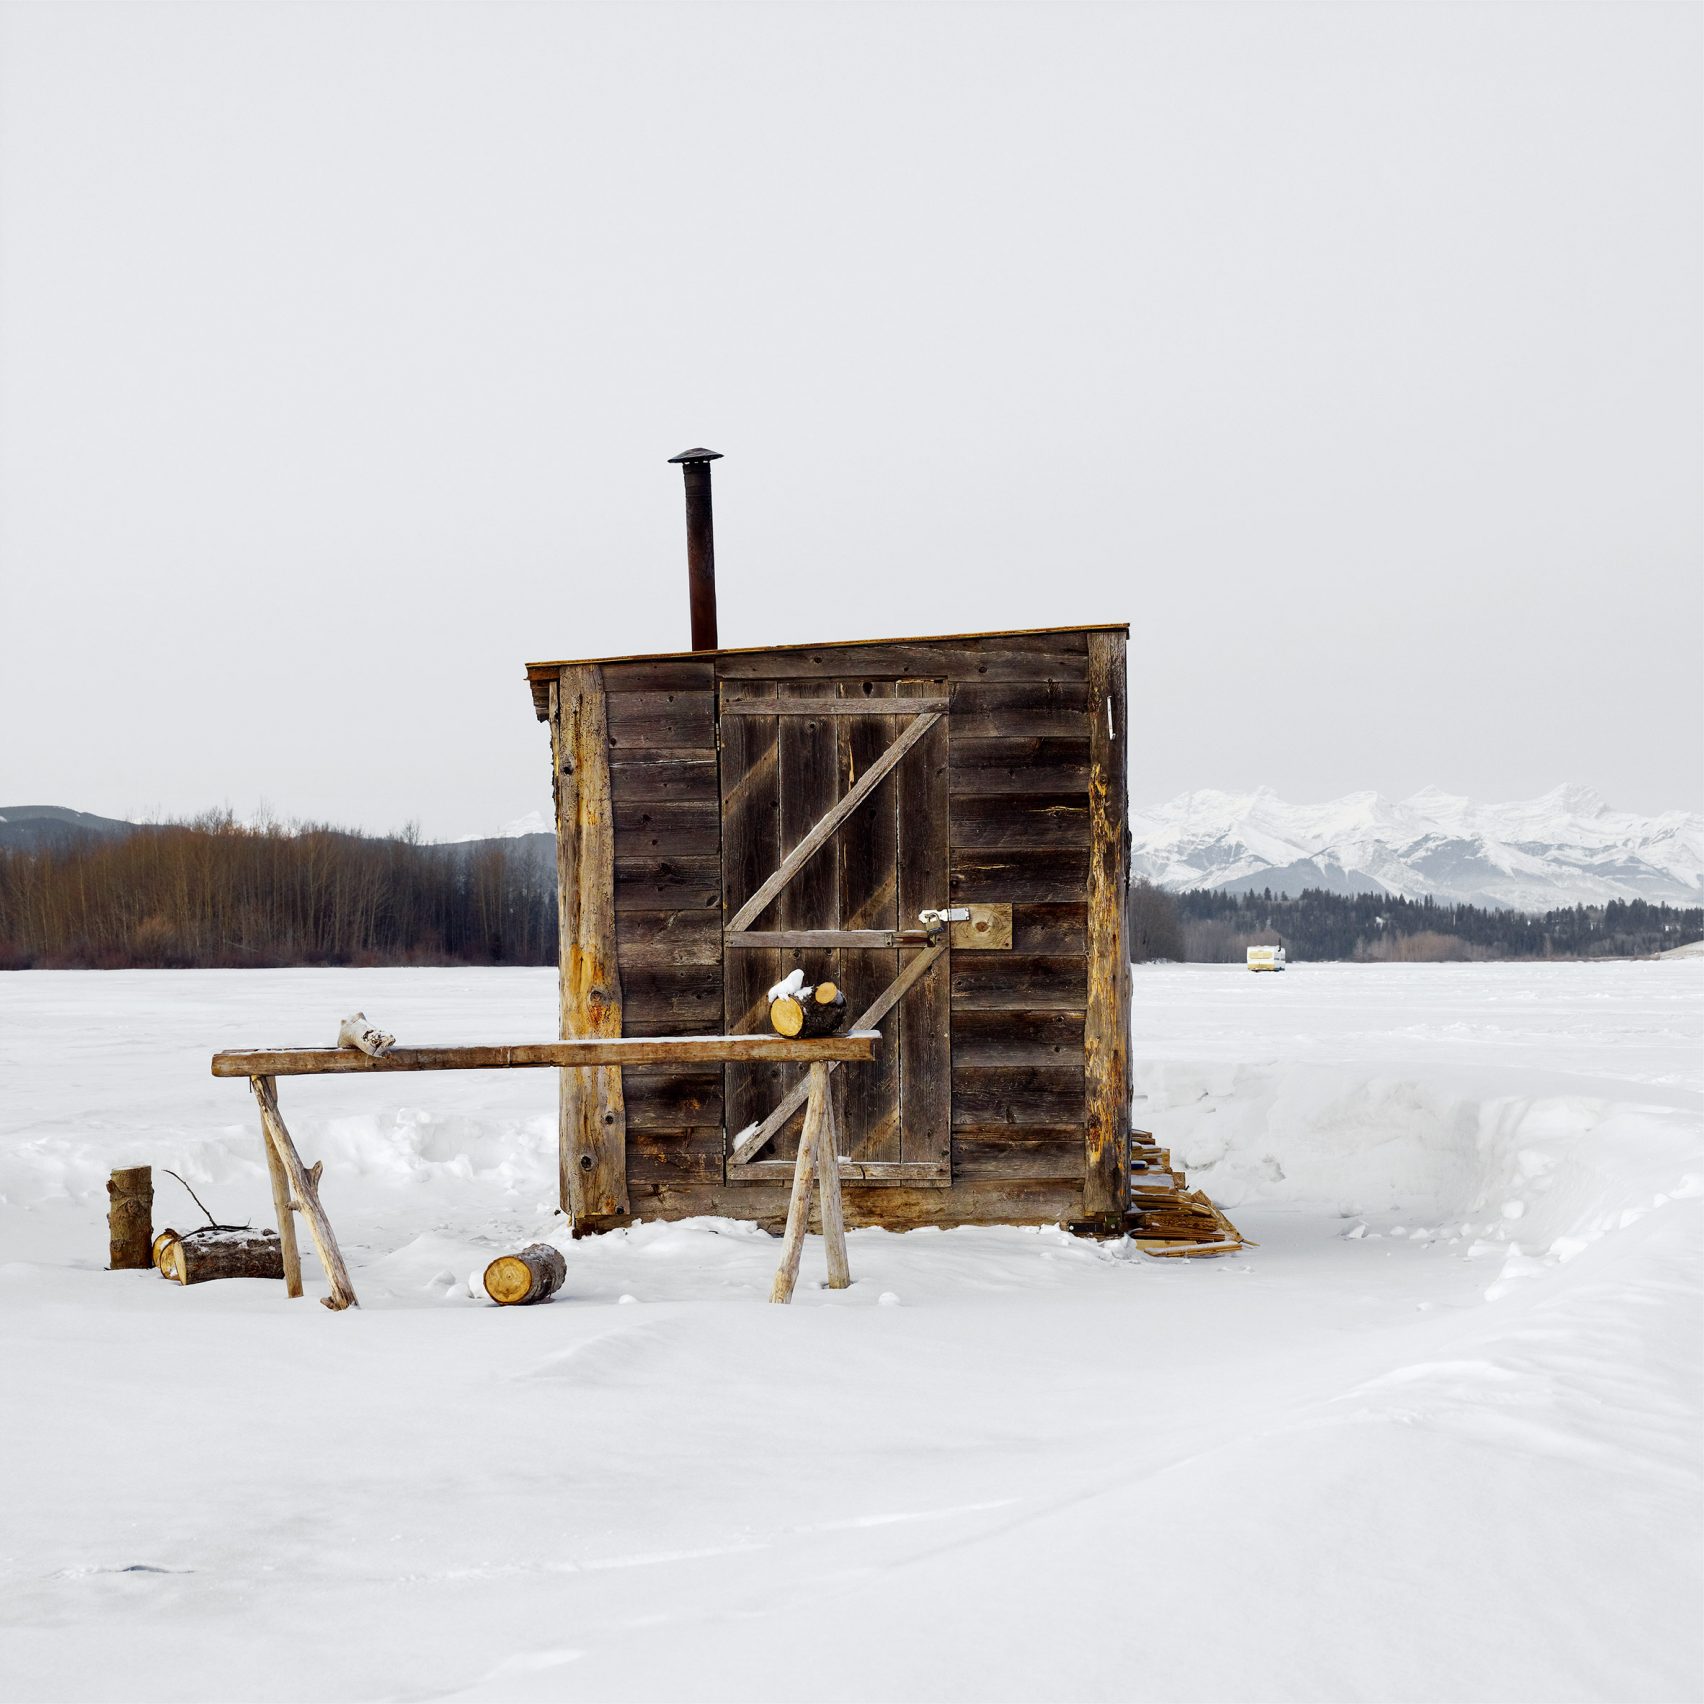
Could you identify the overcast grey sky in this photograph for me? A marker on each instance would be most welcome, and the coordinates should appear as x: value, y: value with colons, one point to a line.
x: 1351, y: 353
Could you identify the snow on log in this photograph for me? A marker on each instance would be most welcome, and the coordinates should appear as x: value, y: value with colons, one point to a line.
x: 222, y: 1252
x: 355, y: 1031
x: 810, y: 1013
x: 533, y: 1275
x: 130, y: 1218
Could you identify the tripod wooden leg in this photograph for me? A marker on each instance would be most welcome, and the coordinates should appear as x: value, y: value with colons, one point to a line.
x: 799, y: 1207
x: 280, y: 1200
x: 304, y: 1197
x: 828, y: 1174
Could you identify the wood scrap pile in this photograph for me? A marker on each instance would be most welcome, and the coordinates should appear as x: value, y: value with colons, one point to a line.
x: 1168, y: 1218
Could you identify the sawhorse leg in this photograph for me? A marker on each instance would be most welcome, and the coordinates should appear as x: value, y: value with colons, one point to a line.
x: 816, y: 1155
x: 296, y: 1187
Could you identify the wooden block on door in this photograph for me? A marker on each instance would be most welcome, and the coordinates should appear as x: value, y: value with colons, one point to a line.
x: 987, y: 927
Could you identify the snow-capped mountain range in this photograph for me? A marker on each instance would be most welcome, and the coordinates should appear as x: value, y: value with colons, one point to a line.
x: 1565, y: 848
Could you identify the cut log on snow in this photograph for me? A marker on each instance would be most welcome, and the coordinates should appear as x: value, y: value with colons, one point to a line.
x: 219, y: 1253
x: 809, y: 1013
x: 355, y: 1031
x: 533, y: 1275
x: 130, y: 1219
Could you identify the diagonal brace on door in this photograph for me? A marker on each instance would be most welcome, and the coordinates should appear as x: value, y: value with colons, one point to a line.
x: 813, y: 842
x: 754, y: 1140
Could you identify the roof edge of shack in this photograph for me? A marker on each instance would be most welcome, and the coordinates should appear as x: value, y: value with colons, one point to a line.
x: 539, y: 673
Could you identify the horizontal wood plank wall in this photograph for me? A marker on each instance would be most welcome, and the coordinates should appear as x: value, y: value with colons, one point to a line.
x: 1019, y: 775
x: 1019, y: 832
x: 668, y: 912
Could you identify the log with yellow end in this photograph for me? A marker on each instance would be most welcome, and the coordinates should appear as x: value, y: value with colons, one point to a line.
x: 533, y: 1275
x: 808, y: 1013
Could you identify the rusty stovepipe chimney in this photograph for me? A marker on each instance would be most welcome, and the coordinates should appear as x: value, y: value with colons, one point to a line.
x: 700, y: 544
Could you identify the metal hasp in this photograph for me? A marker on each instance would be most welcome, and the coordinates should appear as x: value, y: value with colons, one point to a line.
x: 700, y: 544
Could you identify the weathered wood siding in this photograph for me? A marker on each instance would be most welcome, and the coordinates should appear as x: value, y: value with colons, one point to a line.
x: 1020, y: 832
x: 1018, y: 748
x: 668, y: 911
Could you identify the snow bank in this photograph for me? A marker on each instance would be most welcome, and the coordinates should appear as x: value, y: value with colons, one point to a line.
x: 1423, y: 1137
x: 1435, y: 1438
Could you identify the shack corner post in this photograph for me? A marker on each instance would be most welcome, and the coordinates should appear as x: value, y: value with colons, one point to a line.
x: 592, y: 1113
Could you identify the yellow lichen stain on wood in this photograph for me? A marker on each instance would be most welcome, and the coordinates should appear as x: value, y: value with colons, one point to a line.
x: 593, y: 1122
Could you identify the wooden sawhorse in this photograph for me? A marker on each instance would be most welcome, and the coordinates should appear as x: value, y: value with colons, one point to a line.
x: 295, y: 1187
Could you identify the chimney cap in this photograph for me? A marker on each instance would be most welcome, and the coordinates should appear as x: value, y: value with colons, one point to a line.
x: 697, y: 456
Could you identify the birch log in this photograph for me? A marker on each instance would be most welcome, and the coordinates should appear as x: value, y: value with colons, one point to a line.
x: 355, y: 1031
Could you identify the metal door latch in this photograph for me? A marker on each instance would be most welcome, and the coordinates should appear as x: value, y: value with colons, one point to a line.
x: 935, y: 922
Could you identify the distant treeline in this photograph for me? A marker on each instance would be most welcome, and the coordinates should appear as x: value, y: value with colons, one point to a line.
x: 1217, y: 928
x: 217, y: 893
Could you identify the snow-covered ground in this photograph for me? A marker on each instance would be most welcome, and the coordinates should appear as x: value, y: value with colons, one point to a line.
x: 1436, y: 1438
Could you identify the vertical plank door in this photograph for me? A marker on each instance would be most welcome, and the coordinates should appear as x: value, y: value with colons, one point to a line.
x: 781, y: 773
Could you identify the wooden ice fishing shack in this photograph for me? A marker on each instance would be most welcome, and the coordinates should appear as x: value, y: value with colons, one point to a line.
x: 725, y: 815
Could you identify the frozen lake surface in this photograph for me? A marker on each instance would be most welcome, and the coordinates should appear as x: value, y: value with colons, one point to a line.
x: 1436, y: 1438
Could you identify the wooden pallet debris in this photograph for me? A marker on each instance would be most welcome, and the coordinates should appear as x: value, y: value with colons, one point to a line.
x: 1166, y: 1217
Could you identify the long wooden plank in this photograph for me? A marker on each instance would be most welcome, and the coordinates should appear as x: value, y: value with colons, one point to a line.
x: 1046, y: 724
x: 692, y: 673
x: 691, y: 1155
x: 877, y: 1174
x: 753, y: 1140
x: 1026, y: 981
x: 671, y: 999
x: 682, y: 727
x: 897, y: 1206
x: 1106, y: 1023
x: 673, y: 1097
x: 1061, y: 1030
x: 830, y: 707
x: 747, y: 939
x: 985, y: 697
x: 1038, y: 653
x: 831, y: 820
x: 1017, y: 1095
x: 1023, y: 751
x: 592, y: 1128
x: 811, y: 786
x: 1024, y: 876
x: 1036, y: 1154
x: 866, y: 1103
x: 1016, y: 781
x: 923, y: 1023
x: 627, y: 708
x: 663, y: 774
x: 917, y: 660
x: 667, y: 827
x: 1050, y: 929
x: 679, y: 933
x: 751, y: 848
x: 688, y: 883
x: 861, y: 1043
x: 1051, y: 821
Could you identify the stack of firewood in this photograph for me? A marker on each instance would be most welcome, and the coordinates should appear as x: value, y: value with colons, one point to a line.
x: 1166, y: 1216
x: 796, y: 1010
